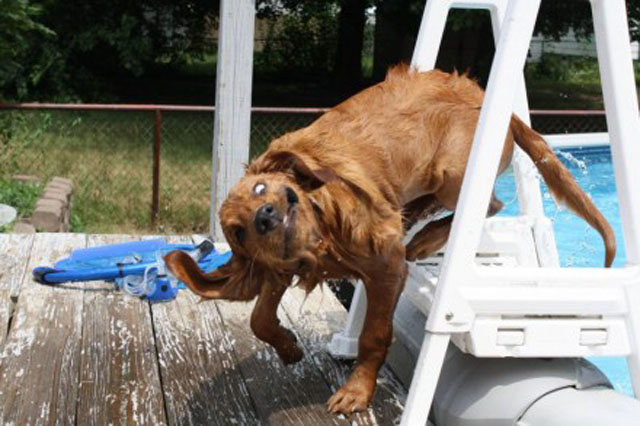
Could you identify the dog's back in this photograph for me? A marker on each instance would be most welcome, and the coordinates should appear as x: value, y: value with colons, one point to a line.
x: 410, y: 136
x: 398, y: 132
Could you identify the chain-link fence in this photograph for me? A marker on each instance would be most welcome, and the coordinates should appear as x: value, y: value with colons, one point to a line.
x: 551, y: 122
x: 108, y: 152
x: 111, y: 152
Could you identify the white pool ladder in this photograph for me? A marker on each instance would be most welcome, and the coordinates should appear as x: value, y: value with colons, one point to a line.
x: 526, y: 308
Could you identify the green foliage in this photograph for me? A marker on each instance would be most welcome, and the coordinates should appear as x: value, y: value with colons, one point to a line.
x: 21, y: 196
x: 633, y: 10
x: 95, y: 44
x: 19, y: 133
x: 460, y: 19
x: 22, y: 63
x: 565, y: 69
x: 77, y: 223
x: 556, y: 18
x: 302, y: 42
x: 367, y: 49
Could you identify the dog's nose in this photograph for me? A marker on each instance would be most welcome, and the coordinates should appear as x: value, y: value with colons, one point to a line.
x: 266, y: 219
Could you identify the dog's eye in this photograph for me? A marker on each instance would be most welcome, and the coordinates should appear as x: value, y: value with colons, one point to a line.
x: 292, y: 197
x: 239, y: 233
x: 260, y: 189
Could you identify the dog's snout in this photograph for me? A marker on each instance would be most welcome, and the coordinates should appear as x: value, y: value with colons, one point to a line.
x: 266, y: 219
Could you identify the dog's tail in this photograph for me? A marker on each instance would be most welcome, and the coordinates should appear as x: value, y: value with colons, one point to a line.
x: 561, y: 183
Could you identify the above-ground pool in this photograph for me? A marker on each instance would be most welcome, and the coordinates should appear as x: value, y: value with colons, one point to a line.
x: 578, y: 244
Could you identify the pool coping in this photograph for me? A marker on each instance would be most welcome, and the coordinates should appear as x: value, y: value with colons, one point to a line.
x: 578, y: 140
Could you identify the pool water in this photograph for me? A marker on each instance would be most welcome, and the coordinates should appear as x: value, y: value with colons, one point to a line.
x: 578, y: 244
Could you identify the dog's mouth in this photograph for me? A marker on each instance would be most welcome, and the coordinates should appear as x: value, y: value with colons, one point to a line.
x: 289, y: 220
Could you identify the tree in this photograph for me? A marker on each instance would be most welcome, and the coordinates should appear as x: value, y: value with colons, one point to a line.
x: 302, y: 41
x: 99, y: 40
x: 348, y: 62
x: 396, y: 26
x: 633, y: 9
x: 18, y: 33
x: 467, y: 41
x: 323, y: 26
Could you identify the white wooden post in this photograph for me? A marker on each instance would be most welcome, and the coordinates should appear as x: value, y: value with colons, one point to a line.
x: 233, y: 102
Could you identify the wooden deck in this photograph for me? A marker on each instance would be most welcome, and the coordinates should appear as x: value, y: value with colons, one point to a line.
x: 85, y: 354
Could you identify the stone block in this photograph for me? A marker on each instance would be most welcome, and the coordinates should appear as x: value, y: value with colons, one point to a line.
x: 23, y: 227
x: 26, y: 178
x: 44, y: 202
x: 48, y: 216
x: 61, y: 180
x: 55, y: 194
x: 59, y: 186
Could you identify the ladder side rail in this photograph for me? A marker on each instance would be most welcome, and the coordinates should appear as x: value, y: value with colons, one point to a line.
x: 526, y: 174
x: 434, y: 19
x: 424, y: 59
x: 621, y: 106
x: 425, y: 378
x: 450, y: 313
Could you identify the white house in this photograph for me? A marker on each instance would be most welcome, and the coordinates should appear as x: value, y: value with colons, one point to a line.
x: 568, y: 45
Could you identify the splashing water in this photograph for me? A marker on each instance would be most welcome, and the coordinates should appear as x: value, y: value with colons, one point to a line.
x: 578, y: 244
x: 582, y: 165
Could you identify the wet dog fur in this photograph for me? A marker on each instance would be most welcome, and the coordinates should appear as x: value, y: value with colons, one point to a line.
x: 334, y: 200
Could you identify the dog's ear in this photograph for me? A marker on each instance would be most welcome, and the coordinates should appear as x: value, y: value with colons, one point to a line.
x: 307, y: 172
x: 231, y: 281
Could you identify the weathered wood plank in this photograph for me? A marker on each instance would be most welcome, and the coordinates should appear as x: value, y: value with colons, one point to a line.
x: 15, y: 250
x: 119, y: 377
x: 283, y: 395
x: 201, y: 381
x: 315, y: 319
x: 14, y: 254
x: 40, y: 360
x: 6, y: 309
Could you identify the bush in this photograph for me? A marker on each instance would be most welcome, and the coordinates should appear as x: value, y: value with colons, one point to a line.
x: 565, y: 69
x: 22, y: 59
x: 300, y: 45
x: 21, y: 196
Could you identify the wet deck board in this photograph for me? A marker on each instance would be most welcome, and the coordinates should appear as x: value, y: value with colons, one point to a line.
x: 202, y: 383
x: 119, y: 378
x: 40, y: 359
x: 86, y: 354
x: 316, y: 317
x: 293, y: 394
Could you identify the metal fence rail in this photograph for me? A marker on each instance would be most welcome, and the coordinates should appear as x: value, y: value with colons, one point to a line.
x: 141, y: 168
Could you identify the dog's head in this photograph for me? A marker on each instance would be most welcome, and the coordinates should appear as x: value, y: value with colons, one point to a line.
x: 271, y: 223
x: 268, y: 218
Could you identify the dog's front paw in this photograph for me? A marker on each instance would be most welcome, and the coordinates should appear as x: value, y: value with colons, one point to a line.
x: 349, y: 399
x: 290, y: 354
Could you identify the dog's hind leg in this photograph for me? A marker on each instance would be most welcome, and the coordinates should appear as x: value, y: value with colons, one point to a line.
x: 266, y: 325
x: 429, y: 239
x: 383, y: 292
x: 419, y: 209
x: 434, y: 235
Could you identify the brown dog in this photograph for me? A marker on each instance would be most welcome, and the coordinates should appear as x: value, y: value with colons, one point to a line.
x: 334, y: 199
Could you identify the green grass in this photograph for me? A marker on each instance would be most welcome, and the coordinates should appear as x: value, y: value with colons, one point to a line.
x: 108, y: 155
x: 21, y: 196
x: 200, y: 67
x: 560, y: 82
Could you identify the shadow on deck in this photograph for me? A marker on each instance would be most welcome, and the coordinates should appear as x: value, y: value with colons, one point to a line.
x: 74, y: 355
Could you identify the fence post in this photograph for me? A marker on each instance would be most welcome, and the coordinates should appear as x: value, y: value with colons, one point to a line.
x: 232, y: 119
x: 157, y: 140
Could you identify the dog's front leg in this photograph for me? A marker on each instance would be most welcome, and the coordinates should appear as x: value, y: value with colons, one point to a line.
x: 376, y: 336
x: 266, y: 325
